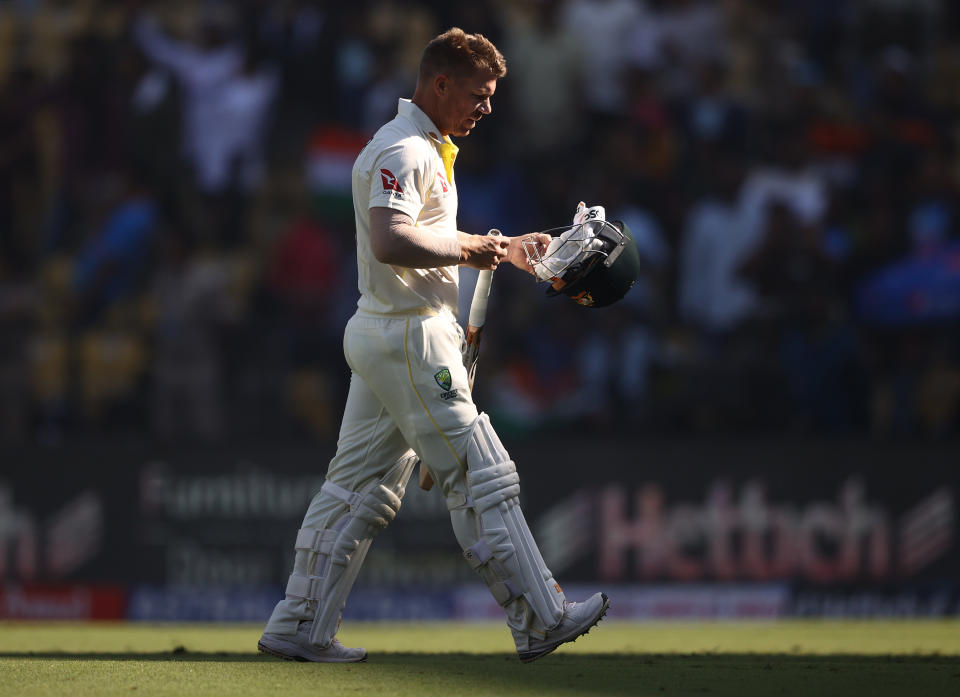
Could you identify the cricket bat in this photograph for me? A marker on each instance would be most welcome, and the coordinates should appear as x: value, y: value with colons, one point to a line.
x: 471, y: 350
x: 476, y: 320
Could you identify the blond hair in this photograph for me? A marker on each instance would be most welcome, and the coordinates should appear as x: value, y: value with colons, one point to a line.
x: 456, y: 53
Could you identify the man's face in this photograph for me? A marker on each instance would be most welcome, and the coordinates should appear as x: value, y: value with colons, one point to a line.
x: 463, y: 101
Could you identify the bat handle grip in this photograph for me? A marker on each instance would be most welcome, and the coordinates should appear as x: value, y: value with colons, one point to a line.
x: 478, y: 308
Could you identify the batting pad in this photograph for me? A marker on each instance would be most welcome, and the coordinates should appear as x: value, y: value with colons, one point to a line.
x: 337, y: 553
x: 506, y: 555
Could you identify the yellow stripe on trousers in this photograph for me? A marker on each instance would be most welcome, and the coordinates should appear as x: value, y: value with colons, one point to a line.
x: 443, y: 435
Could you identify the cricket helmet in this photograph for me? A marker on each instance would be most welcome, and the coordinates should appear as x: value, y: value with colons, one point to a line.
x: 595, y: 262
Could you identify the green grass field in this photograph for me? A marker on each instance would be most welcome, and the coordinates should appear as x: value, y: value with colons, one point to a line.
x: 816, y: 658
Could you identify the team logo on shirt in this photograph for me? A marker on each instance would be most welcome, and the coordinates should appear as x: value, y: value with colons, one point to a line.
x: 443, y: 183
x: 445, y: 380
x: 390, y: 182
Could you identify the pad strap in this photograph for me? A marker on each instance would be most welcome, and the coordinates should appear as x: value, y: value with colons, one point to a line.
x: 457, y: 500
x: 305, y: 587
x: 314, y: 540
x: 377, y: 507
x: 351, y: 498
x: 481, y: 560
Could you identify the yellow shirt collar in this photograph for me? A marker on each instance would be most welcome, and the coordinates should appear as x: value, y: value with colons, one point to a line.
x: 448, y: 153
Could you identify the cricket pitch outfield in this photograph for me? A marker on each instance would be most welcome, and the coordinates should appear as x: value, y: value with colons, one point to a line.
x: 715, y: 659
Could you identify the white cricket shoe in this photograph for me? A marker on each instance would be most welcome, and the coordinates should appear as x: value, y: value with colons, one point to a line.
x: 297, y: 647
x: 578, y: 619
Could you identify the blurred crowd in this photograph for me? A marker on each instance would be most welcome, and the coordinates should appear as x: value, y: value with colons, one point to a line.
x: 176, y: 230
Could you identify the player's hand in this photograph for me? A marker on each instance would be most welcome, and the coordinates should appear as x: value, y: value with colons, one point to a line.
x: 516, y: 254
x: 484, y: 252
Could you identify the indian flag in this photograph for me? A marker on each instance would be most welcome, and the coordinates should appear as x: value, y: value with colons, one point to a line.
x: 330, y: 156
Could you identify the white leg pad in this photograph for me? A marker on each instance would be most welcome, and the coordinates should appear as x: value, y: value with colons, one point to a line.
x: 337, y: 553
x: 506, y: 555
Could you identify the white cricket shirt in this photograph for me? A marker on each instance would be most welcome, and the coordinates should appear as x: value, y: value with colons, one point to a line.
x: 401, y: 168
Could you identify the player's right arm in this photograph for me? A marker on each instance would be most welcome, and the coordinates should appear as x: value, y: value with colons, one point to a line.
x: 396, y: 240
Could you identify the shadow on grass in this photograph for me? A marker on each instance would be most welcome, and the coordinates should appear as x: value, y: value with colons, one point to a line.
x: 605, y: 675
x: 177, y: 654
x: 438, y: 660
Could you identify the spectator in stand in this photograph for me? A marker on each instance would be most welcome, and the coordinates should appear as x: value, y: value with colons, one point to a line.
x: 304, y: 281
x: 546, y: 78
x: 932, y: 213
x: 802, y: 307
x: 111, y: 264
x: 606, y: 29
x: 677, y: 38
x: 202, y: 71
x: 711, y: 294
x: 787, y: 176
x: 790, y: 269
x: 720, y: 360
x: 354, y: 66
x: 228, y: 94
x: 711, y: 115
x: 194, y: 309
x: 387, y: 83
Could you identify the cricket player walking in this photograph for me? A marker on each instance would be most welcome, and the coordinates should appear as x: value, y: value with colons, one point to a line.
x: 409, y: 397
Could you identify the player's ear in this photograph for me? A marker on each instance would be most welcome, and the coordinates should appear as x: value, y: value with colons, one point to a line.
x: 441, y: 84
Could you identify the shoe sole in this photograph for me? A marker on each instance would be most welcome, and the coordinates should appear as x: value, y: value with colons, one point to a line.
x: 302, y: 659
x: 531, y: 656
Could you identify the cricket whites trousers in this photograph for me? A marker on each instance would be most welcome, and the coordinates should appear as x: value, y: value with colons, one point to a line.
x: 409, y: 398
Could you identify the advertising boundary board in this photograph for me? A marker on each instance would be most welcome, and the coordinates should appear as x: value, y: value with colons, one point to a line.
x: 844, y: 527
